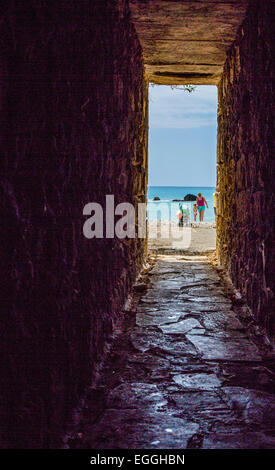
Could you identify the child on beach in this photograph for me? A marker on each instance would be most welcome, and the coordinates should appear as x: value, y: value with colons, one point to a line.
x: 195, y: 211
x: 179, y: 214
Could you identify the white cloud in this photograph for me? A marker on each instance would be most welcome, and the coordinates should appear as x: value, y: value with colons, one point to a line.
x: 178, y: 109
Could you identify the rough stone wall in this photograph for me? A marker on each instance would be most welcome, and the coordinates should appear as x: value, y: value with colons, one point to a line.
x: 186, y: 41
x: 246, y: 162
x: 73, y: 129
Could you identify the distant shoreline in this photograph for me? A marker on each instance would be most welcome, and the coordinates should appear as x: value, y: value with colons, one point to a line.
x: 169, y: 199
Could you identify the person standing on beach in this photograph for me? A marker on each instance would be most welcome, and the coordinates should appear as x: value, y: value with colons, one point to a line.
x: 195, y: 211
x: 179, y: 214
x: 202, y: 202
x: 215, y: 206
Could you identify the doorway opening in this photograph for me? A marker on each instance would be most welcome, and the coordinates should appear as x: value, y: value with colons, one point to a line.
x: 182, y: 165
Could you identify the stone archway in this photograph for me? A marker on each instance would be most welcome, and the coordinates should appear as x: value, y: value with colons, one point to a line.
x: 186, y: 42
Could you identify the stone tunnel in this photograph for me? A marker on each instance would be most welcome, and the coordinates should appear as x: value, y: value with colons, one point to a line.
x: 74, y: 127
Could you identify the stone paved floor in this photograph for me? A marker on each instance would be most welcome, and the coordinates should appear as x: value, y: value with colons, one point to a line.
x: 184, y: 372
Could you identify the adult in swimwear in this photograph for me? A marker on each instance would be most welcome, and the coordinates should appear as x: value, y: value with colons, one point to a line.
x: 202, y: 202
x: 215, y: 205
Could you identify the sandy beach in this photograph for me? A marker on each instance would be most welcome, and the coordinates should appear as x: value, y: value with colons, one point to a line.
x: 197, y: 237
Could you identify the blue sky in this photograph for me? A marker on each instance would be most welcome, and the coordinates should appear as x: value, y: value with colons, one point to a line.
x: 182, y: 136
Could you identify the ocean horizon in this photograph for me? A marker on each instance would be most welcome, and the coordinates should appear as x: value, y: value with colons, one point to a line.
x: 169, y: 208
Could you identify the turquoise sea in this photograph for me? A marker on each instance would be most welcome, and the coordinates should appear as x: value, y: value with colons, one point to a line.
x: 168, y: 208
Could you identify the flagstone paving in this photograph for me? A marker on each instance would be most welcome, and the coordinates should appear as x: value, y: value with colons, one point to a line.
x: 184, y: 371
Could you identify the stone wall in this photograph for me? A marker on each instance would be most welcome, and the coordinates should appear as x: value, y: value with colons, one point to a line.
x: 73, y: 129
x: 246, y: 162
